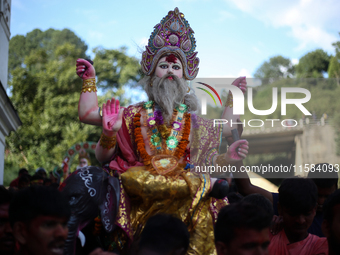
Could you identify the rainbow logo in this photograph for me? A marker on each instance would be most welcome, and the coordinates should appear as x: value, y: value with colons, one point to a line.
x: 213, y: 90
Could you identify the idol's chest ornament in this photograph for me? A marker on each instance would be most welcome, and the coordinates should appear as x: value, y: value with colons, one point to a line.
x: 167, y: 143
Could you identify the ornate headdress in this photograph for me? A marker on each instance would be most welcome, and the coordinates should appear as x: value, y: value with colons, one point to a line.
x: 85, y: 155
x: 172, y: 35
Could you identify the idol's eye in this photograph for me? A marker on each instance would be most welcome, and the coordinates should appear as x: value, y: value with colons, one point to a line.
x: 163, y: 66
x: 176, y: 67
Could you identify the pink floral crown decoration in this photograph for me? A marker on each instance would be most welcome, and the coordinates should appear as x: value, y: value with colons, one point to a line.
x: 173, y: 35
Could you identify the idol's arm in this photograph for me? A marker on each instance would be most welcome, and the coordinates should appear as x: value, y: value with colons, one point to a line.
x: 111, y: 122
x: 235, y: 154
x: 88, y: 110
x: 228, y: 110
x: 244, y: 184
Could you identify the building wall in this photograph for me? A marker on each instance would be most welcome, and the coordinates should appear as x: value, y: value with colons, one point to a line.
x: 9, y: 119
x: 5, y: 8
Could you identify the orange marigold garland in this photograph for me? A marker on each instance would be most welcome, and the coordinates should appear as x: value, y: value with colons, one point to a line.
x: 180, y: 150
x: 140, y: 141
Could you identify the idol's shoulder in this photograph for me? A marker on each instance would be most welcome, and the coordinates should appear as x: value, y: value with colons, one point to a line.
x: 131, y: 110
x: 205, y: 125
x: 134, y: 107
x: 200, y: 120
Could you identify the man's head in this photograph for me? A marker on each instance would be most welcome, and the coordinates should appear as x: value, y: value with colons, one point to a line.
x: 41, y: 171
x: 7, y: 241
x: 22, y: 171
x: 297, y: 205
x: 39, y: 216
x: 242, y: 228
x: 261, y: 201
x: 331, y: 223
x: 24, y: 181
x: 164, y: 235
x: 326, y: 180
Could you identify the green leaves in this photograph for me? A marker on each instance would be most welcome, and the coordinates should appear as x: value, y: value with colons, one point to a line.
x: 114, y: 68
x: 277, y: 67
x: 45, y: 91
x: 313, y: 64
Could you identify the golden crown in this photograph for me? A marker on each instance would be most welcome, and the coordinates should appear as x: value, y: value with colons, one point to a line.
x: 172, y: 35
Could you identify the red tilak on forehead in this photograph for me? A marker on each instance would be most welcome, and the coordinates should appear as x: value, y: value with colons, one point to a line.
x: 171, y: 58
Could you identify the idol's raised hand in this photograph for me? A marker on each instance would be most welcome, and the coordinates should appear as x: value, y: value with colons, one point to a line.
x: 112, y: 117
x: 237, y: 151
x: 85, y: 69
x: 241, y: 83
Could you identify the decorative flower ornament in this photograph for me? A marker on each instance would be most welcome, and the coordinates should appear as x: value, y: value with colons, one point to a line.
x: 172, y: 142
x: 177, y: 125
x: 151, y: 121
x: 172, y: 35
x: 156, y: 139
x: 181, y: 108
x: 148, y: 104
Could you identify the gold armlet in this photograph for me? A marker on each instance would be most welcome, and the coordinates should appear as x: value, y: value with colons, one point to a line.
x: 221, y: 161
x: 107, y: 142
x: 229, y: 102
x: 89, y: 85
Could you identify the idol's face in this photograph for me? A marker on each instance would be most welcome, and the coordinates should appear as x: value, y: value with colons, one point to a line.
x: 169, y: 65
x: 82, y: 162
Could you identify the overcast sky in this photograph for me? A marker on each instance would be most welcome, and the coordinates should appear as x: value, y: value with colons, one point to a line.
x: 234, y: 37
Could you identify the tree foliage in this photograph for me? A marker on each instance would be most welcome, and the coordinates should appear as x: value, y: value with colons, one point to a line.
x: 277, y: 67
x: 114, y: 68
x: 45, y: 91
x: 334, y: 64
x: 313, y: 64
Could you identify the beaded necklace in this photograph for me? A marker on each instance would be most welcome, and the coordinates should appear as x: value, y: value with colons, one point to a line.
x: 156, y: 137
x: 175, y: 141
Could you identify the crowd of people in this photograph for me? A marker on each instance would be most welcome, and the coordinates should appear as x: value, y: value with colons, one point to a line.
x: 39, y: 178
x: 147, y: 198
x: 302, y: 218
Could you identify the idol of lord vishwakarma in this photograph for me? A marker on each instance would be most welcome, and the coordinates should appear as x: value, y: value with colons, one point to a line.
x: 153, y: 147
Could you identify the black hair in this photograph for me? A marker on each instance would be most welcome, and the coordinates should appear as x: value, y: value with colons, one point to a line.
x: 324, y: 175
x: 23, y: 171
x: 240, y: 215
x: 331, y: 201
x: 164, y: 233
x: 5, y: 195
x: 298, y: 194
x: 35, y: 201
x: 234, y: 197
x: 37, y: 177
x: 259, y: 200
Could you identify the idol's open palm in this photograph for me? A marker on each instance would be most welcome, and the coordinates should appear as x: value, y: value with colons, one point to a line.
x: 112, y: 116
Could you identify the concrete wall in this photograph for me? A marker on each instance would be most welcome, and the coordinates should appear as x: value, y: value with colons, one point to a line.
x: 316, y: 145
